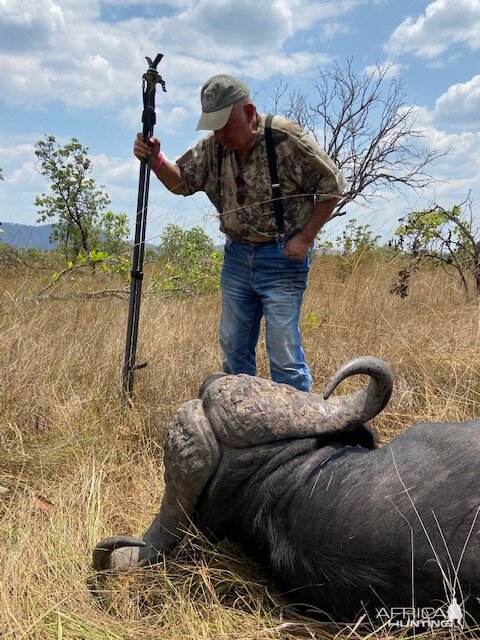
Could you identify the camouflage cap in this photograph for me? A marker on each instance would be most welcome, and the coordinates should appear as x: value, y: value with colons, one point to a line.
x: 218, y: 97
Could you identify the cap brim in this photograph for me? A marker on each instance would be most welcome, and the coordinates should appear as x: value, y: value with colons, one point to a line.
x: 215, y: 119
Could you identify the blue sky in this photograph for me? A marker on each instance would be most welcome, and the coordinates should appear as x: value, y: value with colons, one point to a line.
x: 75, y: 69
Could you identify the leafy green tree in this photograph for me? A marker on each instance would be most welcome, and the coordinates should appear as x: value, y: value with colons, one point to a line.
x: 192, y: 265
x: 1, y: 174
x: 446, y: 237
x: 114, y: 231
x: 357, y: 239
x: 356, y: 243
x: 175, y: 240
x: 82, y: 222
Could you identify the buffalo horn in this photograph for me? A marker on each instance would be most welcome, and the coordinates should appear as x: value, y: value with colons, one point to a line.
x: 364, y: 405
x: 246, y: 411
x: 103, y: 550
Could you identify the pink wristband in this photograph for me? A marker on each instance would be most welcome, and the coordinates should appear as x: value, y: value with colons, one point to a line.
x: 158, y: 162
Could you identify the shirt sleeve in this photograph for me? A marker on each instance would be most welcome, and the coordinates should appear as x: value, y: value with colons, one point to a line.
x: 196, y: 167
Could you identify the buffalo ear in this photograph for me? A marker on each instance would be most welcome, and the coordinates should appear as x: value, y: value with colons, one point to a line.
x: 364, y: 436
x: 208, y: 381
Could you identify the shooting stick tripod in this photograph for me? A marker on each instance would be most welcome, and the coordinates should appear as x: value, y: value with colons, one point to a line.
x: 150, y: 79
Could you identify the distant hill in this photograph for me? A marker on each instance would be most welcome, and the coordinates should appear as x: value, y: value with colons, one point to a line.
x: 26, y: 236
x: 29, y: 236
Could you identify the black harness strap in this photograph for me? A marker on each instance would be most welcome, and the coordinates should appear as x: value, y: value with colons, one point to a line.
x: 220, y: 154
x: 272, y: 165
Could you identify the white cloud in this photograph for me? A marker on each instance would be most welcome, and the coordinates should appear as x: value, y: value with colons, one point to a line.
x: 27, y: 26
x: 27, y: 174
x: 443, y: 24
x: 152, y: 4
x: 22, y: 180
x: 457, y: 173
x: 388, y: 68
x: 233, y: 27
x: 457, y: 110
x: 460, y: 105
x: 113, y: 171
x: 299, y: 63
x: 307, y: 14
x: 19, y: 150
x: 69, y: 52
x: 172, y: 120
x: 331, y: 29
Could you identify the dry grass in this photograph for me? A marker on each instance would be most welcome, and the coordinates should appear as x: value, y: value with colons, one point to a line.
x: 76, y: 466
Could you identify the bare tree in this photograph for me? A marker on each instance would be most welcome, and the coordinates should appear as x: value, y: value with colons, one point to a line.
x: 363, y: 122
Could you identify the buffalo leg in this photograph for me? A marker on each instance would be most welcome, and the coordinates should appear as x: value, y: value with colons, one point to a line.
x: 191, y: 457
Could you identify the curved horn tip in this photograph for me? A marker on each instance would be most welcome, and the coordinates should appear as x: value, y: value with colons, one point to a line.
x: 368, y: 365
x: 103, y: 550
x: 114, y: 542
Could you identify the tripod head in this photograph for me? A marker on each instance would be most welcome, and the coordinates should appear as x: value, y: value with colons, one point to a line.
x: 150, y: 79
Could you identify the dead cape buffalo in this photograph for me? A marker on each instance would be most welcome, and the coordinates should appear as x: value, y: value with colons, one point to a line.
x: 296, y: 479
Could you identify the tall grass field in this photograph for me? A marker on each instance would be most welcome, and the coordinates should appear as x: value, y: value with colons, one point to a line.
x: 78, y: 464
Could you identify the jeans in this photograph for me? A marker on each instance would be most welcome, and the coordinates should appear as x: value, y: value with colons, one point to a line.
x: 256, y: 281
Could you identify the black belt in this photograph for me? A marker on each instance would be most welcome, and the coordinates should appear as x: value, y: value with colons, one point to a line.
x: 260, y: 244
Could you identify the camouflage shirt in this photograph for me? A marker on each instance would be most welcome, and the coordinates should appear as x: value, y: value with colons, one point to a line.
x: 306, y: 174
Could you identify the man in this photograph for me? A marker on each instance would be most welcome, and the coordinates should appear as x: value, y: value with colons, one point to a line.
x: 268, y: 250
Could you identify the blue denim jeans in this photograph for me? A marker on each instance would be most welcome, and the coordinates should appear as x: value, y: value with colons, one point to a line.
x: 260, y: 280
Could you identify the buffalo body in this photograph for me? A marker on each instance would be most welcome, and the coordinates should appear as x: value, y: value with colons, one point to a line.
x: 343, y: 526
